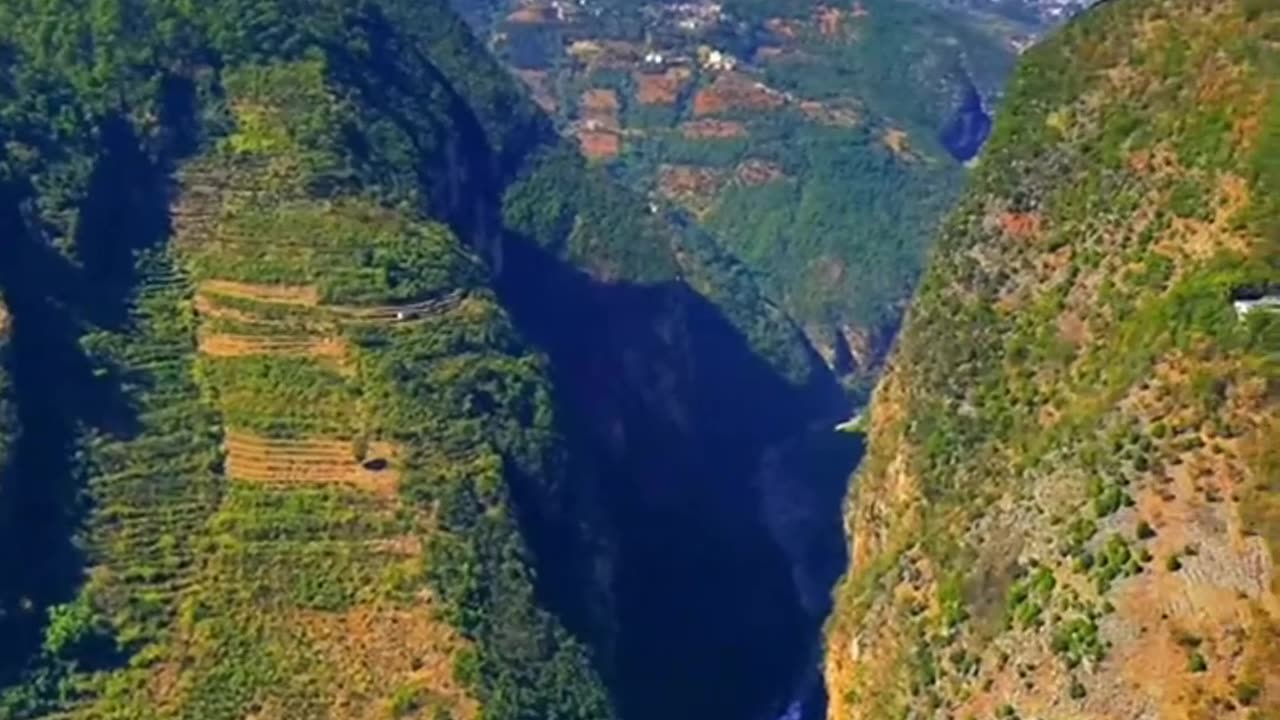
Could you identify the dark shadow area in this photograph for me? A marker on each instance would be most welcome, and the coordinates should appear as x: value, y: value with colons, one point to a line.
x: 59, y: 391
x: 677, y: 413
x: 803, y: 482
x: 670, y: 415
x: 969, y: 126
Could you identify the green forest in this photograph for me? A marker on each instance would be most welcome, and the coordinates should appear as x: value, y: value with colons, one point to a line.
x: 287, y: 453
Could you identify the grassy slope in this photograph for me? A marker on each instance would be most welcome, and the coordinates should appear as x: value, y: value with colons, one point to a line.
x: 225, y: 582
x: 1069, y: 508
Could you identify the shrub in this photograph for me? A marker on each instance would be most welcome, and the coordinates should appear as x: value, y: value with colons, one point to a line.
x: 1248, y: 691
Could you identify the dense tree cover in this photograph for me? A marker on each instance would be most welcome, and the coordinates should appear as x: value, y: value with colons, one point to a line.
x: 1074, y: 339
x: 267, y: 92
x: 910, y: 62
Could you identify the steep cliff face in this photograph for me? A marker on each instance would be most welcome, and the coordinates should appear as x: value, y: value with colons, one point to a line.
x: 8, y: 417
x: 8, y: 425
x: 1069, y: 505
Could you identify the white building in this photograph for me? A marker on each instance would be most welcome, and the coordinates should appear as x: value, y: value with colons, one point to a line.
x: 1269, y: 303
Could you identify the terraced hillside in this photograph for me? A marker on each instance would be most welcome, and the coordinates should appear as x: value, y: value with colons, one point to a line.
x: 349, y: 390
x: 817, y: 141
x: 1068, y: 509
x: 316, y: 571
x: 310, y: 514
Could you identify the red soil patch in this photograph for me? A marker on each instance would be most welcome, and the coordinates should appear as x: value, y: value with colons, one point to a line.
x: 661, y: 88
x: 598, y: 109
x: 538, y: 82
x: 702, y: 129
x: 754, y: 171
x: 733, y: 91
x: 693, y: 186
x: 599, y: 145
x: 1020, y: 226
x: 599, y: 126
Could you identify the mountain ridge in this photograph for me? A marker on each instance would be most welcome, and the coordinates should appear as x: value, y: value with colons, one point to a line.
x: 1067, y: 507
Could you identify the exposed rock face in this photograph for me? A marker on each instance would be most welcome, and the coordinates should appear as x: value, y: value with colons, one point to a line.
x: 1069, y: 507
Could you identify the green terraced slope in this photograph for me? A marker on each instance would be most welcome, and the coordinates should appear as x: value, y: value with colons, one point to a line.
x: 308, y: 516
x: 351, y: 391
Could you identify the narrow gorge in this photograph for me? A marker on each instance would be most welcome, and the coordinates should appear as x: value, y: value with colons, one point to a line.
x: 361, y: 362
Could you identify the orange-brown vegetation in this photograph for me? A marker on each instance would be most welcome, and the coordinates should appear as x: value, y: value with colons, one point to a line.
x: 754, y: 171
x: 599, y: 145
x: 735, y: 91
x: 692, y: 186
x: 896, y: 140
x: 285, y: 294
x: 661, y: 88
x: 371, y: 646
x: 227, y: 345
x: 598, y: 109
x: 1020, y: 225
x: 311, y: 461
